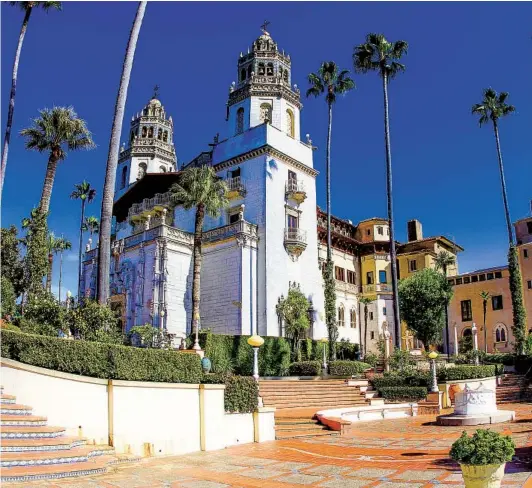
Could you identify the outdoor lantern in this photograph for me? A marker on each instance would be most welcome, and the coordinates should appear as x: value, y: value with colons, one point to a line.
x: 324, y: 365
x: 432, y: 356
x: 255, y: 341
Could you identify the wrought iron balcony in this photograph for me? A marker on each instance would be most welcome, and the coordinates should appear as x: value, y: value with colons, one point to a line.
x: 376, y: 288
x: 346, y: 287
x: 158, y: 203
x: 295, y: 190
x: 295, y: 241
x: 235, y: 187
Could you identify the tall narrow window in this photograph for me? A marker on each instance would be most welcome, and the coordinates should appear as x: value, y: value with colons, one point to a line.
x: 292, y: 175
x: 160, y: 134
x: 465, y: 306
x: 144, y: 131
x: 413, y: 265
x: 240, y: 120
x: 369, y: 277
x: 382, y: 277
x: 265, y: 113
x: 269, y: 69
x: 341, y: 316
x: 165, y: 136
x: 290, y: 129
x: 250, y: 70
x: 143, y: 167
x: 353, y: 318
x: 292, y: 221
x: 243, y: 74
x: 496, y: 302
x: 150, y: 133
x: 123, y: 179
x: 261, y: 69
x: 339, y: 273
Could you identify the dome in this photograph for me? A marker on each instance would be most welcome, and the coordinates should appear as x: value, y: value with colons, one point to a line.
x: 155, y: 103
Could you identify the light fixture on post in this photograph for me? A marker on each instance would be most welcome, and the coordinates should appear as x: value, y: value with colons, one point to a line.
x: 432, y: 356
x: 68, y: 299
x: 255, y: 341
x: 196, y: 346
x: 324, y: 365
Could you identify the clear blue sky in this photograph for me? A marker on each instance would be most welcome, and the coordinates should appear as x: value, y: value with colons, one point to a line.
x: 445, y: 167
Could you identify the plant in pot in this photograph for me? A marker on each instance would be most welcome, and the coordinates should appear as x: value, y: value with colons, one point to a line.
x: 482, y: 457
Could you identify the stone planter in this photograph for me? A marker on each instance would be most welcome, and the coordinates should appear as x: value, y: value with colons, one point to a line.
x: 486, y: 476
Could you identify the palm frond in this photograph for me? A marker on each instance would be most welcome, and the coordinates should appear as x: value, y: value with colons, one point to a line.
x: 492, y: 107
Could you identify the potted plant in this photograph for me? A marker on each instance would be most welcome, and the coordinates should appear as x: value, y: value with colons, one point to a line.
x: 482, y: 457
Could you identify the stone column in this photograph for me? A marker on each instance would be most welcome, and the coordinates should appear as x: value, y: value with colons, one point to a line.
x: 474, y: 330
x: 455, y: 339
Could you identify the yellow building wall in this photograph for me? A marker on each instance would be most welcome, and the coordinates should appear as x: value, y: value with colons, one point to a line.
x: 526, y: 273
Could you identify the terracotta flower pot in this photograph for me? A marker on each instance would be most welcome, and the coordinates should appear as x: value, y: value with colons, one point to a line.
x: 486, y: 476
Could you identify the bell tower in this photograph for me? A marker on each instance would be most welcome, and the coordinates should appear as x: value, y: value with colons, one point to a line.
x: 150, y: 147
x: 263, y: 93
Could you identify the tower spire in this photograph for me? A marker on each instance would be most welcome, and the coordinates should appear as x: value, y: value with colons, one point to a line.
x: 155, y: 92
x: 264, y: 26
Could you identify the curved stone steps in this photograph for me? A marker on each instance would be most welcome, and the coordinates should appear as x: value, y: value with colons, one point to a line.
x: 15, y: 409
x: 30, y: 432
x: 7, y: 398
x: 43, y: 444
x: 22, y: 420
x: 31, y: 458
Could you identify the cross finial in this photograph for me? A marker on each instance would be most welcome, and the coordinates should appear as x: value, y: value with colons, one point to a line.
x: 156, y: 91
x: 265, y: 25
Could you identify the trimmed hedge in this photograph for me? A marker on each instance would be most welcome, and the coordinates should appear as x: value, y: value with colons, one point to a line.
x: 414, y: 378
x: 464, y: 372
x: 241, y: 394
x: 347, y: 368
x: 305, y: 368
x: 101, y: 360
x: 403, y: 393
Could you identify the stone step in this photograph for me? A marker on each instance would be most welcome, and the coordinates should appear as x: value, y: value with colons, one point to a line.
x: 39, y: 458
x: 29, y: 432
x: 43, y: 444
x: 7, y: 398
x: 316, y: 406
x: 294, y: 421
x: 311, y: 395
x: 22, y: 420
x: 297, y: 427
x: 15, y: 409
x: 298, y: 434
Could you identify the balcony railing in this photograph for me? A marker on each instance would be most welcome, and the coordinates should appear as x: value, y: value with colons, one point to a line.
x: 346, y: 287
x: 235, y: 187
x: 295, y: 241
x: 376, y: 288
x: 295, y: 190
x: 157, y: 202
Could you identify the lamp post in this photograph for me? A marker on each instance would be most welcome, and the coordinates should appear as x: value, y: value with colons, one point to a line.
x: 69, y: 296
x: 324, y: 365
x: 474, y: 331
x: 196, y: 345
x: 255, y: 341
x: 432, y: 356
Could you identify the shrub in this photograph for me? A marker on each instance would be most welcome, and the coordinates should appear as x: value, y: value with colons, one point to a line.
x: 403, y: 393
x: 372, y: 359
x: 30, y: 326
x: 346, y: 350
x: 8, y: 298
x: 483, y: 447
x: 241, y: 394
x: 148, y: 336
x: 506, y: 359
x: 413, y: 378
x: 401, y: 359
x: 94, y: 322
x: 466, y: 372
x: 305, y: 368
x: 523, y: 364
x: 347, y: 368
x: 45, y: 315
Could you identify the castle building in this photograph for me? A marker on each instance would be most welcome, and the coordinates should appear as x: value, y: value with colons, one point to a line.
x: 270, y: 238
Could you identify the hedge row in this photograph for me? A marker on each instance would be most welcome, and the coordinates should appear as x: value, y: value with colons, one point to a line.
x: 306, y: 368
x: 403, y: 393
x: 241, y: 392
x: 411, y: 379
x: 464, y: 372
x: 347, y: 368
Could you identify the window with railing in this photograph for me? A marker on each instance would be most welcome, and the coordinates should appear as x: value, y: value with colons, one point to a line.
x: 339, y: 273
x: 351, y: 277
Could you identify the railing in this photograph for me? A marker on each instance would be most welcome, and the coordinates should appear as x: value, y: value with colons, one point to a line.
x: 295, y: 235
x: 239, y: 227
x: 235, y: 184
x: 294, y: 186
x: 159, y: 200
x: 90, y: 254
x: 347, y: 287
x: 376, y: 288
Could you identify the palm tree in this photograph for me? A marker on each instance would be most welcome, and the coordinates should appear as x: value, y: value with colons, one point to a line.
x: 84, y: 192
x: 365, y: 301
x: 201, y: 189
x: 104, y: 246
x: 442, y: 261
x: 492, y: 108
x: 53, y: 247
x: 62, y: 246
x: 91, y: 224
x: 330, y: 81
x: 27, y: 7
x: 379, y: 54
x: 54, y: 131
x: 485, y: 295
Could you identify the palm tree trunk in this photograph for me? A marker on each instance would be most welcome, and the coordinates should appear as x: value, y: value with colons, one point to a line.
x: 503, y: 185
x: 485, y: 331
x: 328, y: 183
x: 365, y: 329
x: 60, y: 274
x: 447, y: 321
x: 104, y: 246
x: 46, y: 194
x: 389, y: 196
x: 49, y: 273
x: 11, y: 107
x: 198, y: 232
x: 80, y: 266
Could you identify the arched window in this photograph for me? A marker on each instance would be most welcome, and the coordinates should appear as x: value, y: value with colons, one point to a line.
x: 242, y: 74
x: 143, y: 167
x: 467, y: 332
x: 501, y: 334
x: 160, y: 134
x: 150, y: 132
x: 269, y: 69
x: 250, y: 70
x: 341, y: 316
x: 165, y: 136
x: 123, y: 179
x: 162, y: 169
x: 240, y: 120
x: 144, y: 131
x: 285, y: 75
x: 281, y: 71
x: 353, y: 318
x: 261, y: 69
x: 132, y: 136
x: 265, y: 113
x: 290, y: 130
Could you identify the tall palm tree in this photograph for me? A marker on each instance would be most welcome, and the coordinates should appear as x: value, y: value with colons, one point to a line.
x: 27, y: 8
x: 492, y: 108
x: 53, y: 247
x: 365, y: 301
x: 380, y: 55
x: 54, y: 131
x: 201, y: 189
x: 329, y: 81
x: 442, y: 261
x: 84, y: 192
x: 91, y: 224
x: 485, y: 295
x: 62, y: 246
x: 104, y: 246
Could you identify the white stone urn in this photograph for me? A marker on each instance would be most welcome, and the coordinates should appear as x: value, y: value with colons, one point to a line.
x: 485, y: 476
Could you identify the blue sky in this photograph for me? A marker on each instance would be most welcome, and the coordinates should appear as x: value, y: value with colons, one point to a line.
x: 445, y: 167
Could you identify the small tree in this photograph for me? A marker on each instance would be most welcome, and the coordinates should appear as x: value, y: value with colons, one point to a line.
x: 293, y: 311
x: 11, y: 262
x: 423, y: 298
x: 148, y: 336
x: 485, y: 295
x: 330, y: 309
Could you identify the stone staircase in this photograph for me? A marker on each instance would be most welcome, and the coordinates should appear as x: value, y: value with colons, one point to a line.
x: 511, y: 389
x: 31, y: 450
x: 297, y: 401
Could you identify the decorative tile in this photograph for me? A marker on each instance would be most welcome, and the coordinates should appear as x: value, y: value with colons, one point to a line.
x: 372, y: 473
x: 287, y: 466
x: 260, y: 473
x: 424, y: 475
x: 345, y: 483
x: 327, y: 469
x: 300, y: 479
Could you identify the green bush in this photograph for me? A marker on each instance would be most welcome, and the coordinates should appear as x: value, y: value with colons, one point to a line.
x: 403, y: 393
x: 523, y: 364
x: 43, y: 314
x: 346, y: 350
x: 241, y: 394
x: 94, y: 322
x: 507, y: 359
x: 465, y: 372
x: 347, y: 368
x: 414, y: 378
x: 372, y: 359
x: 8, y: 298
x: 305, y: 368
x: 482, y: 448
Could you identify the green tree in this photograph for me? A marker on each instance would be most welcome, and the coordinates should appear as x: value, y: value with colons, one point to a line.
x: 92, y: 225
x: 84, y: 192
x: 442, y: 261
x: 43, y: 314
x: 55, y: 131
x: 91, y: 321
x: 380, y: 55
x: 104, y: 245
x: 149, y: 336
x: 27, y: 8
x: 485, y: 295
x: 293, y: 311
x: 11, y: 262
x: 36, y: 258
x: 7, y: 297
x: 492, y: 108
x: 53, y: 246
x: 365, y: 301
x: 62, y: 245
x: 424, y: 297
x: 201, y: 189
x: 329, y: 81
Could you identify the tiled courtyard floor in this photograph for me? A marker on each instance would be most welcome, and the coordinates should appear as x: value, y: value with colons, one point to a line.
x: 405, y: 453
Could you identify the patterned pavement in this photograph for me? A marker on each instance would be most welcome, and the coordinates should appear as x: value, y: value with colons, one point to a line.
x: 400, y: 453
